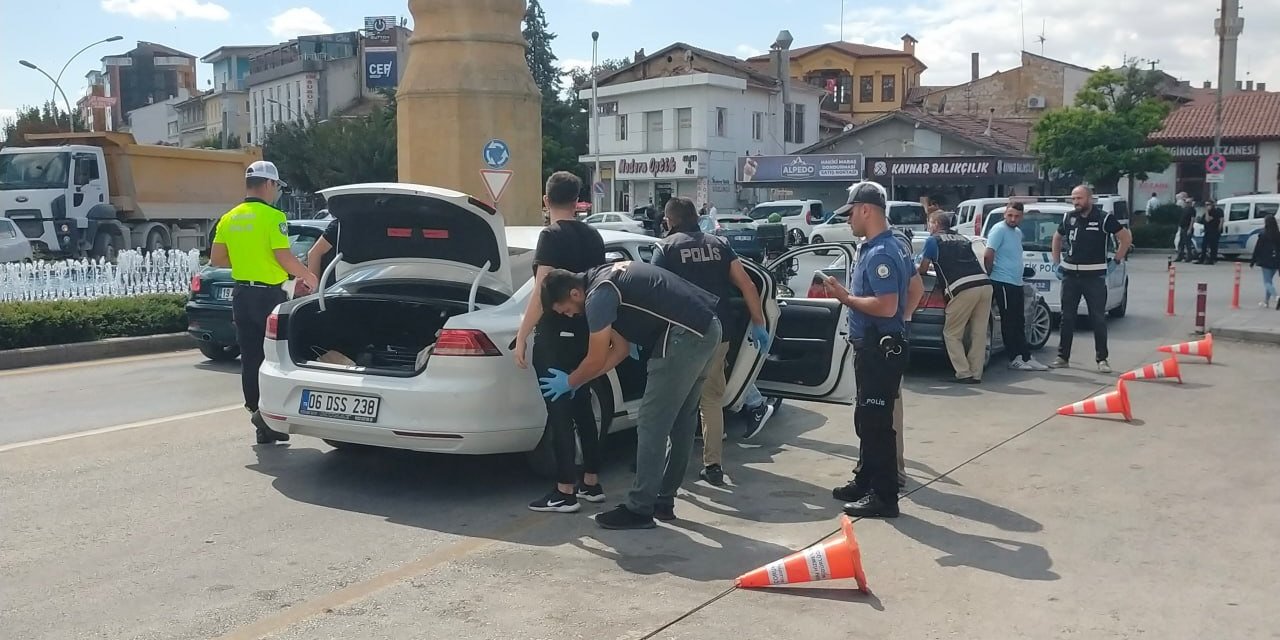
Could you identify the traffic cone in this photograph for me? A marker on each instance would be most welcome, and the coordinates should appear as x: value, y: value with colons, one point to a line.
x: 1202, y: 347
x: 1114, y: 402
x: 1167, y: 368
x: 830, y: 560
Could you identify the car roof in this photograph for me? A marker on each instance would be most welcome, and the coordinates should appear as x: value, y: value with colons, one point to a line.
x: 526, y: 237
x: 315, y: 224
x: 1255, y: 197
x: 786, y: 202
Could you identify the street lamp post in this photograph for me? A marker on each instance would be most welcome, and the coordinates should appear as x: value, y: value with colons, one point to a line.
x: 595, y: 123
x: 70, y: 119
x: 58, y: 79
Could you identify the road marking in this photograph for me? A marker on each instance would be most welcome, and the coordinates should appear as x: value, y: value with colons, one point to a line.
x: 120, y: 427
x: 361, y: 590
x: 93, y: 363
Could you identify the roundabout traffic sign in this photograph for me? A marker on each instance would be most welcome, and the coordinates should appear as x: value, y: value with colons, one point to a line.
x: 1215, y: 163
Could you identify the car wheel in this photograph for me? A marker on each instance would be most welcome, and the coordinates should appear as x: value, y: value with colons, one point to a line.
x: 1119, y: 311
x: 818, y: 240
x: 795, y: 238
x: 347, y: 446
x: 1039, y: 327
x: 542, y: 460
x: 219, y: 352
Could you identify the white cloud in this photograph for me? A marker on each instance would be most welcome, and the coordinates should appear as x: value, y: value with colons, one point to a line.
x: 7, y: 114
x: 298, y: 21
x: 1090, y: 33
x: 747, y: 51
x: 168, y: 10
x: 611, y: 3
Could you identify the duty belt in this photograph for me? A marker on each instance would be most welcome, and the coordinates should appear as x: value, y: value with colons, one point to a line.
x: 255, y: 283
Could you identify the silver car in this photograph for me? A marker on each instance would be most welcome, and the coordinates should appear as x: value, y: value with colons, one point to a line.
x: 13, y: 245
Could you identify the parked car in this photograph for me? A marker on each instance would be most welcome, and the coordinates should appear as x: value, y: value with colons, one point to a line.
x: 615, y: 221
x: 908, y: 217
x: 411, y: 347
x: 1039, y: 222
x: 1242, y: 224
x: 209, y: 301
x: 800, y: 216
x: 738, y: 229
x: 972, y: 216
x: 14, y: 246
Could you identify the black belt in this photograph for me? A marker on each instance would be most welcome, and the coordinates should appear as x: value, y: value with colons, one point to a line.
x: 860, y: 343
x: 255, y: 283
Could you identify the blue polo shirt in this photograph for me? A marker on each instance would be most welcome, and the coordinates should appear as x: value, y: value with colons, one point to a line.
x: 884, y: 266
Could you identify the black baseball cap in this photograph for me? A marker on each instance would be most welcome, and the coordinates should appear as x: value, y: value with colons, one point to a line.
x: 865, y: 192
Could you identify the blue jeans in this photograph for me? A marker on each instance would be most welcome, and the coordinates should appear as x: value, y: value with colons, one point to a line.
x: 668, y: 416
x: 1268, y: 287
x: 752, y: 397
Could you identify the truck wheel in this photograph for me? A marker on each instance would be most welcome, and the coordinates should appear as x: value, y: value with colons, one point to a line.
x: 157, y: 240
x: 104, y: 246
x: 219, y: 352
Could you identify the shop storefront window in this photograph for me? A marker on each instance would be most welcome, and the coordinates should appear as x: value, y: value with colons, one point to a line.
x: 866, y: 89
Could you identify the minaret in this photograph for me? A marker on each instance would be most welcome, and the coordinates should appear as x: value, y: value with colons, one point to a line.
x: 1228, y: 27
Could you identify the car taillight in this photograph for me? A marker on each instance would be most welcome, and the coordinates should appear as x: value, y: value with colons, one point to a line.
x: 935, y: 300
x: 196, y: 283
x: 273, y: 326
x: 464, y: 342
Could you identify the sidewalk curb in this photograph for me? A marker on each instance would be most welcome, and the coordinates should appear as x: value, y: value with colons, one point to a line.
x: 1246, y: 335
x: 97, y: 350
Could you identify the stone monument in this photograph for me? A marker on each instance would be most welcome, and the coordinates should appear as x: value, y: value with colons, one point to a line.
x: 470, y: 115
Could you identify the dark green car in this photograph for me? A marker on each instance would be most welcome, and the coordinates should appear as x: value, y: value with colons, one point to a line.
x: 209, y: 304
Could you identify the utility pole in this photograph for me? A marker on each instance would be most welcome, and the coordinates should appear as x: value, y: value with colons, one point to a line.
x: 595, y: 123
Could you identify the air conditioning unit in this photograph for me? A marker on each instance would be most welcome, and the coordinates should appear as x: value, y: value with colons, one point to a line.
x: 1035, y: 102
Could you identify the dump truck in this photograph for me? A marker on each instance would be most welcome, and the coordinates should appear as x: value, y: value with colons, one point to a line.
x: 94, y: 194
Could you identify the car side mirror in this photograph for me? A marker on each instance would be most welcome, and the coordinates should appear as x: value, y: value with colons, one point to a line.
x: 615, y: 256
x: 1028, y: 272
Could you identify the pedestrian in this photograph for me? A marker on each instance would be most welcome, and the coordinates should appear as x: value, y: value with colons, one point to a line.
x: 630, y: 304
x: 323, y: 252
x: 877, y: 307
x: 1266, y: 254
x: 710, y: 263
x: 1083, y: 270
x: 1003, y: 260
x: 967, y: 290
x: 701, y: 212
x: 934, y: 205
x: 712, y: 211
x: 1152, y: 203
x: 560, y: 342
x: 1213, y: 220
x: 253, y: 240
x: 1186, y: 229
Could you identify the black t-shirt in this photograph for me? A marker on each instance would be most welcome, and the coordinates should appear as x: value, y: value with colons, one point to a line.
x: 1188, y: 216
x: 1213, y: 221
x: 571, y: 245
x: 330, y: 235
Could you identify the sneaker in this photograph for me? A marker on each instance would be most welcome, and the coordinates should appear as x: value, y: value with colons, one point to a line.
x: 1104, y: 366
x: 1059, y: 363
x: 850, y: 492
x: 623, y: 518
x: 590, y: 492
x: 664, y: 512
x: 1018, y: 364
x: 871, y: 506
x: 555, y: 502
x: 756, y: 419
x: 713, y: 474
x: 1264, y: 304
x: 266, y: 434
x: 1035, y: 365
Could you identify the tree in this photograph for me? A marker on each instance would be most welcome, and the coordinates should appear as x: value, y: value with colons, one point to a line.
x: 582, y: 77
x: 342, y: 150
x: 47, y: 118
x: 215, y: 142
x: 1104, y: 136
x: 541, y: 60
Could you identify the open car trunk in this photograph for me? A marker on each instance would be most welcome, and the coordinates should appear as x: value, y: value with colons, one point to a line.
x: 389, y: 335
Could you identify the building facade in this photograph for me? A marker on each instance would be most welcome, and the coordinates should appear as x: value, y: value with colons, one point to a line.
x: 227, y: 106
x: 1026, y: 92
x: 191, y: 120
x: 859, y: 82
x: 675, y: 122
x: 157, y: 123
x: 148, y: 74
x: 309, y: 78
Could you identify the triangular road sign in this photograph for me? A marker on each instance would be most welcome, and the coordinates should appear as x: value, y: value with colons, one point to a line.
x: 496, y: 180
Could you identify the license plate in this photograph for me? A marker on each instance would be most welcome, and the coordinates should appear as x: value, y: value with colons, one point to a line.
x: 742, y: 238
x: 1041, y: 285
x: 225, y: 293
x: 323, y: 404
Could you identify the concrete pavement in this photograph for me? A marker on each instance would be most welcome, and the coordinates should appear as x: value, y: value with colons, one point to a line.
x: 1041, y: 527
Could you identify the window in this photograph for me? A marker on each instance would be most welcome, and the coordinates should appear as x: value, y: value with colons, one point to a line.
x: 844, y: 89
x: 653, y: 131
x: 866, y: 89
x: 888, y: 88
x: 907, y: 214
x: 684, y: 134
x: 173, y: 128
x: 1239, y: 211
x: 722, y: 122
x: 1264, y: 209
x: 622, y: 126
x: 757, y: 125
x: 596, y: 219
x: 793, y: 123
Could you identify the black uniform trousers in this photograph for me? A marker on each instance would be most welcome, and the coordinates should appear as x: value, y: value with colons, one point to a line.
x: 1093, y: 287
x: 1186, y: 246
x: 1013, y: 319
x: 250, y: 307
x: 1210, y: 253
x: 570, y: 420
x: 878, y: 377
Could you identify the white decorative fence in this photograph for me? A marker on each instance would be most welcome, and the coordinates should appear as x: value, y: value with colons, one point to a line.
x: 133, y: 274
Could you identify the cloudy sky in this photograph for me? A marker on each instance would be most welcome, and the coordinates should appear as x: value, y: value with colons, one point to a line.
x: 1177, y: 33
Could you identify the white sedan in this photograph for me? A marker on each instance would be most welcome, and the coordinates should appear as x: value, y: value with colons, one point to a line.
x: 411, y: 347
x: 615, y: 221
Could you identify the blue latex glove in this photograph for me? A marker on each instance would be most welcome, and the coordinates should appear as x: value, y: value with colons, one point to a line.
x: 760, y: 336
x: 556, y: 385
x: 1057, y: 271
x: 635, y: 351
x: 1111, y: 265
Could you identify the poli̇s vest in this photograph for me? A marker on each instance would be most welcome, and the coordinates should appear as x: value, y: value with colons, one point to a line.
x: 652, y: 301
x: 957, y: 265
x: 703, y: 260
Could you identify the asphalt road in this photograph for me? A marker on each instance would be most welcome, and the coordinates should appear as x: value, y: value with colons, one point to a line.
x: 136, y: 506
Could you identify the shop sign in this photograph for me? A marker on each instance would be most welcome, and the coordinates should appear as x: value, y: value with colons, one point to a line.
x: 842, y: 167
x: 1201, y: 151
x: 659, y: 166
x: 309, y: 85
x: 950, y: 167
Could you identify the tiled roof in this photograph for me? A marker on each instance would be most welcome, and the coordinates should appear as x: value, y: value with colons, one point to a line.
x: 914, y: 94
x: 1007, y: 137
x: 747, y: 71
x: 851, y: 48
x: 1245, y: 115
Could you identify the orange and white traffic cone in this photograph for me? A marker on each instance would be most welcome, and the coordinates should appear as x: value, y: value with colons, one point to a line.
x: 1202, y: 347
x: 1167, y: 368
x: 1114, y: 402
x: 830, y: 560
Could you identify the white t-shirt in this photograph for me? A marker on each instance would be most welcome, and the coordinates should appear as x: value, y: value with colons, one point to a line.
x: 712, y: 210
x: 1152, y: 204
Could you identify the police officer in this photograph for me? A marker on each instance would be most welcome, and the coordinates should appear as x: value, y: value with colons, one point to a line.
x: 1084, y: 271
x: 877, y: 309
x: 709, y: 262
x: 253, y: 239
x: 673, y: 320
x: 968, y: 292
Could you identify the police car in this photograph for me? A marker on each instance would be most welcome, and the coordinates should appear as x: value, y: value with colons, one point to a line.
x: 1039, y: 222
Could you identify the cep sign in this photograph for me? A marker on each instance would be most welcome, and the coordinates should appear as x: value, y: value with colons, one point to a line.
x: 380, y: 69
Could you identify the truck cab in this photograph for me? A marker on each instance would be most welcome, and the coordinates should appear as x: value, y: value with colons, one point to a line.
x: 50, y: 193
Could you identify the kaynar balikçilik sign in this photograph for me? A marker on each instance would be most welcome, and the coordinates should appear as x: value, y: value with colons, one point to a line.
x: 971, y: 167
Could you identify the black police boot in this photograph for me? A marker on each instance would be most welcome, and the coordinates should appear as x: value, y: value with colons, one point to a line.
x: 850, y: 492
x: 871, y: 506
x: 266, y: 435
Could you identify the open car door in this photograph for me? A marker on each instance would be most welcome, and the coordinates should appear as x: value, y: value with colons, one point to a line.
x: 744, y: 360
x: 810, y: 357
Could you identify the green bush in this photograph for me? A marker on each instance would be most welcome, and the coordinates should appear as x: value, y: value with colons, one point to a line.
x: 37, y: 324
x: 1165, y: 214
x: 1154, y: 236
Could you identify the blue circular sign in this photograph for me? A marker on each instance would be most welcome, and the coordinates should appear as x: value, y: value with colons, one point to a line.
x: 496, y: 154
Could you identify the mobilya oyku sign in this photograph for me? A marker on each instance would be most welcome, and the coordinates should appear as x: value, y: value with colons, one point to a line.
x: 844, y: 167
x: 949, y: 167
